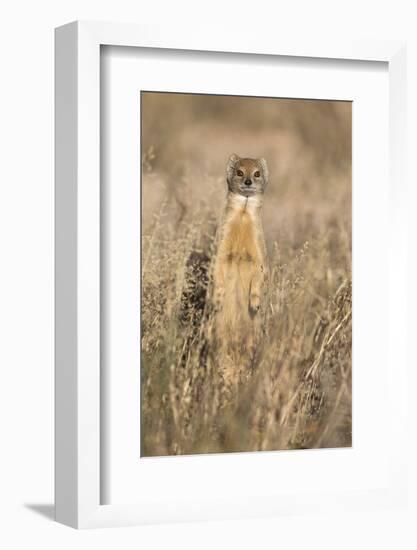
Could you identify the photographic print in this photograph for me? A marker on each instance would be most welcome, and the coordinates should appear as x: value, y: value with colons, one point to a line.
x: 246, y: 260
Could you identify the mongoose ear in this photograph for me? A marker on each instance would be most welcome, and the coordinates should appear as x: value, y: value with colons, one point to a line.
x: 265, y: 170
x: 231, y: 166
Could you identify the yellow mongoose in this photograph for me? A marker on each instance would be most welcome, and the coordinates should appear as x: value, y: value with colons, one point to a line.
x: 240, y: 266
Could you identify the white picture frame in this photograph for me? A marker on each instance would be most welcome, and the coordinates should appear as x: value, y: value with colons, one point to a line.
x: 77, y: 241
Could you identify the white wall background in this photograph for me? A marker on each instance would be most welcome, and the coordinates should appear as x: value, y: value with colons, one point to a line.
x: 26, y: 268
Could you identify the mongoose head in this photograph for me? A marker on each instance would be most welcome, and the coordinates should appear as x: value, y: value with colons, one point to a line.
x: 247, y: 177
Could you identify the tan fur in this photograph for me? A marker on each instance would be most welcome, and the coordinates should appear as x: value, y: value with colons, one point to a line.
x: 239, y: 276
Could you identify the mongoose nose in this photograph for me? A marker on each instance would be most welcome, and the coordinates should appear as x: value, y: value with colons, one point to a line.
x: 248, y: 182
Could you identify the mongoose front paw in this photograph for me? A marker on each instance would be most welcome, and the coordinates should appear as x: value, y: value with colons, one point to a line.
x: 254, y: 304
x: 218, y: 299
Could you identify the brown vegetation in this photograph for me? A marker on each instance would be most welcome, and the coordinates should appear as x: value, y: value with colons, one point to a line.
x: 298, y: 392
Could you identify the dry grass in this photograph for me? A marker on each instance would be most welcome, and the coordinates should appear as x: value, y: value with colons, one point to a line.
x: 298, y: 393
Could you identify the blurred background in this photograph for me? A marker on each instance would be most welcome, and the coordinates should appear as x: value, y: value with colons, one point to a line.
x: 187, y: 139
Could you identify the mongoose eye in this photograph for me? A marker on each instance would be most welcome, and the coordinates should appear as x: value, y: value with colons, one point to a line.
x: 257, y: 174
x: 239, y: 173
